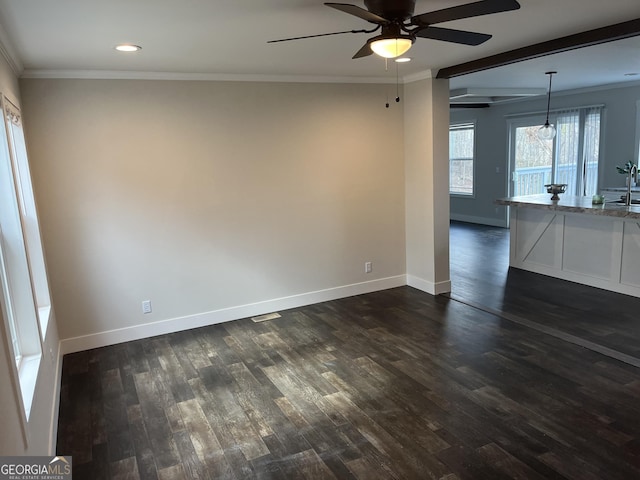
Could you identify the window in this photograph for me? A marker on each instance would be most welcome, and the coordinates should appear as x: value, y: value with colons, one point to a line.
x: 28, y: 215
x: 461, y: 159
x: 24, y: 292
x: 571, y: 157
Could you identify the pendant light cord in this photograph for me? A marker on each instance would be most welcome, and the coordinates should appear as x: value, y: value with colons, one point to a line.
x: 549, y: 97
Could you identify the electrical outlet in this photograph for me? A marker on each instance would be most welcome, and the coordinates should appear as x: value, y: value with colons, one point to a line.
x: 368, y: 267
x: 146, y: 306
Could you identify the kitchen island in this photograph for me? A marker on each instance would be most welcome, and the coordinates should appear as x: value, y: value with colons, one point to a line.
x: 571, y: 239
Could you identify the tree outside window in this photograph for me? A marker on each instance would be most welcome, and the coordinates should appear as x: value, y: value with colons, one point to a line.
x: 461, y: 159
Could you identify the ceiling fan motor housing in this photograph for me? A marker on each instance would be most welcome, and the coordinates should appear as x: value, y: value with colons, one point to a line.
x: 391, y: 9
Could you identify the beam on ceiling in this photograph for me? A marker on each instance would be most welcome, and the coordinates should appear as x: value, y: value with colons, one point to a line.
x: 497, y: 92
x: 619, y: 31
x: 469, y: 105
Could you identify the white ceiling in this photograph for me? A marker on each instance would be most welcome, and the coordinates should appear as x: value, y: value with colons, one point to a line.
x: 229, y: 38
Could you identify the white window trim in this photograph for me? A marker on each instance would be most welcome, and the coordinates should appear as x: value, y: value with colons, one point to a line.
x: 30, y: 337
x: 24, y: 371
x: 12, y: 328
x: 475, y: 161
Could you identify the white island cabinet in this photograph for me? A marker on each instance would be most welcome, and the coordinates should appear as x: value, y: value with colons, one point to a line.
x: 571, y: 239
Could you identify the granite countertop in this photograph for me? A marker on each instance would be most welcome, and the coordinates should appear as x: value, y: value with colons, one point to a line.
x: 620, y: 189
x: 573, y: 204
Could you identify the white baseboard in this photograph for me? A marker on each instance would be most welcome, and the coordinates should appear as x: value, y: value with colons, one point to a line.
x: 429, y: 287
x: 112, y: 337
x: 493, y: 222
x: 55, y: 407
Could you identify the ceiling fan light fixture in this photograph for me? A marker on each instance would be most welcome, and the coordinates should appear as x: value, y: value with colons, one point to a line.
x: 391, y: 47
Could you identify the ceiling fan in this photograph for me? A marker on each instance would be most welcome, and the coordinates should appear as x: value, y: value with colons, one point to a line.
x: 400, y: 27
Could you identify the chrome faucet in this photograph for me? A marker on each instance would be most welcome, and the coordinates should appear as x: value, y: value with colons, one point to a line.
x: 633, y: 176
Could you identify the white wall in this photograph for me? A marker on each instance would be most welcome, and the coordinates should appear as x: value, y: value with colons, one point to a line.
x: 38, y: 436
x: 209, y: 196
x: 492, y: 148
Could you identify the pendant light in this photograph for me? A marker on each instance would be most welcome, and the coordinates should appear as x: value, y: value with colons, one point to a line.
x: 547, y: 131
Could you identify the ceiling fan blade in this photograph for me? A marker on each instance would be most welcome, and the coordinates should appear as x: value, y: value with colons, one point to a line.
x: 318, y: 35
x: 455, y: 36
x: 365, y: 51
x: 358, y: 12
x: 475, y: 9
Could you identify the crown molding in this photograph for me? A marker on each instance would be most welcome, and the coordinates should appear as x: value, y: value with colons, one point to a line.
x: 9, y: 53
x: 416, y: 77
x: 598, y: 88
x: 217, y: 77
x: 577, y: 91
x: 205, y: 77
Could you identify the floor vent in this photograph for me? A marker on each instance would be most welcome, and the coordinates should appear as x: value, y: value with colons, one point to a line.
x: 265, y: 317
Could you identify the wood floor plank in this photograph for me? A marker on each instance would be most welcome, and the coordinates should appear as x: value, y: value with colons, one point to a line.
x: 175, y: 472
x: 246, y: 438
x: 315, y: 437
x: 307, y: 368
x: 393, y: 448
x: 267, y: 467
x: 338, y: 466
x: 156, y: 423
x: 205, y: 443
x: 189, y: 353
x: 125, y: 469
x: 248, y: 393
x: 173, y: 375
x: 193, y: 467
x: 507, y: 464
x: 312, y: 467
x: 577, y: 471
x: 212, y: 404
x: 145, y: 460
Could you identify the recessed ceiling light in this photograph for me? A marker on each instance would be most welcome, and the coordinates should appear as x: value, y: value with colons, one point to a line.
x: 126, y: 47
x: 403, y: 60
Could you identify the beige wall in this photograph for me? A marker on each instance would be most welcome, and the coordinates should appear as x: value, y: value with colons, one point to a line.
x: 427, y: 185
x: 202, y: 196
x: 38, y: 435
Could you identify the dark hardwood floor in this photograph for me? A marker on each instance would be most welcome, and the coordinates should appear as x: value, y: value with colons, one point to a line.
x: 391, y: 385
x: 481, y: 276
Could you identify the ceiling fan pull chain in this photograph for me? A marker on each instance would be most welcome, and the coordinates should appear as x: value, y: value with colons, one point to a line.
x: 397, y: 85
x: 386, y: 69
